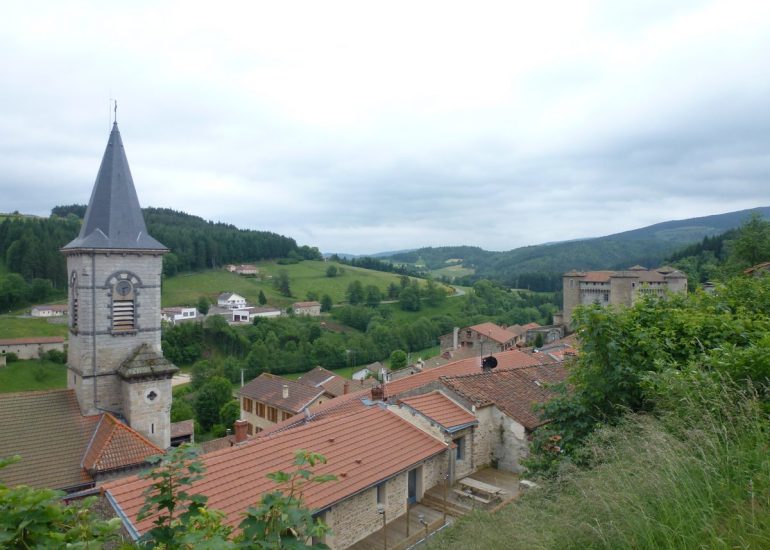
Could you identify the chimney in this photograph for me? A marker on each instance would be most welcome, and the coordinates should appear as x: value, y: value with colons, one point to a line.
x: 346, y: 388
x: 455, y: 334
x: 285, y: 392
x: 378, y: 393
x: 240, y: 430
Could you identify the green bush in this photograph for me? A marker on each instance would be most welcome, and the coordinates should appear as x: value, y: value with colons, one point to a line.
x: 11, y: 357
x: 55, y: 356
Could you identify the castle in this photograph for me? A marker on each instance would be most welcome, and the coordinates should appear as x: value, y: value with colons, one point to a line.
x: 617, y: 287
x: 115, y: 363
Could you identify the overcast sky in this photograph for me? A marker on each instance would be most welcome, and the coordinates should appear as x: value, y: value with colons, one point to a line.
x: 369, y: 126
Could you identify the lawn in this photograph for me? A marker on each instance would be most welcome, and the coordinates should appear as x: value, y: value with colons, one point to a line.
x: 32, y: 375
x: 27, y: 327
x: 450, y: 306
x: 452, y: 271
x: 304, y: 277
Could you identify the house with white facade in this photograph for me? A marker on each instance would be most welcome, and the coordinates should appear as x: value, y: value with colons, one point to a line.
x: 174, y: 315
x: 231, y: 300
x: 49, y: 310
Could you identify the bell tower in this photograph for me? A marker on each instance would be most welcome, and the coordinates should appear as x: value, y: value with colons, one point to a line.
x: 115, y: 361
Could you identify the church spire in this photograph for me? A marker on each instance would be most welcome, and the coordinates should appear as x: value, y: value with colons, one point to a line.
x: 114, y: 218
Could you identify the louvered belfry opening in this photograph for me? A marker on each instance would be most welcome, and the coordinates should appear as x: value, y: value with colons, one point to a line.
x: 123, y: 315
x: 74, y: 310
x: 123, y: 303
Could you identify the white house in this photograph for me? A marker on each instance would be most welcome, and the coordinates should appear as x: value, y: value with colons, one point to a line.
x: 175, y: 314
x: 231, y: 300
x: 56, y: 310
x: 247, y: 314
x: 312, y: 309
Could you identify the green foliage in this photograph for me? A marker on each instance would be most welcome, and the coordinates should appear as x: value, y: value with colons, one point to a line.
x: 262, y: 299
x: 281, y: 282
x: 398, y: 359
x: 331, y: 271
x: 409, y: 298
x: 55, y: 356
x: 11, y: 357
x: 181, y: 409
x: 229, y: 413
x: 355, y: 293
x: 210, y: 400
x: 203, y: 305
x: 625, y: 354
x: 752, y: 243
x: 38, y: 518
x: 24, y: 327
x: 326, y: 303
x: 31, y: 375
x: 373, y: 296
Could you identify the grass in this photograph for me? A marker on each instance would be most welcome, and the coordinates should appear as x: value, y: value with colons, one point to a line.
x: 32, y: 375
x: 452, y: 271
x: 27, y: 327
x: 306, y: 276
x: 705, y: 483
x: 450, y: 306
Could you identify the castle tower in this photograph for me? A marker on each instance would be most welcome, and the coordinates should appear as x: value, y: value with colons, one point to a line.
x: 115, y: 361
x: 571, y: 295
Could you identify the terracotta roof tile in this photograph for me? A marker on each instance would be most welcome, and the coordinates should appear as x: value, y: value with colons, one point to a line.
x: 307, y: 304
x: 35, y: 340
x: 334, y: 384
x: 438, y: 407
x: 115, y: 446
x: 268, y: 388
x: 361, y: 449
x: 182, y: 428
x: 48, y: 431
x: 494, y: 332
x: 513, y: 391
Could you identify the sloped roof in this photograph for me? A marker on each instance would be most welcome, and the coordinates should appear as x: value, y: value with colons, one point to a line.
x: 438, y: 407
x: 115, y: 445
x: 494, y: 332
x: 145, y: 362
x: 361, y: 450
x: 513, y: 391
x: 114, y: 218
x: 182, y: 428
x: 307, y: 304
x: 34, y: 340
x: 332, y: 383
x: 268, y: 388
x: 48, y: 431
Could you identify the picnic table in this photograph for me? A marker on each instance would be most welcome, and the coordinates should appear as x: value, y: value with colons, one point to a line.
x: 484, y: 489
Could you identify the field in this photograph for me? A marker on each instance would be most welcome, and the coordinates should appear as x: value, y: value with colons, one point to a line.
x: 304, y: 277
x: 452, y: 271
x: 32, y: 375
x: 26, y: 327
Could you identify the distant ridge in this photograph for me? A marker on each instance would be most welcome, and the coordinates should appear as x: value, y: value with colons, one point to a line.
x: 647, y: 246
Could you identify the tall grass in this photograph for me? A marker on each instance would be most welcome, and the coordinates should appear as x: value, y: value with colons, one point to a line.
x: 699, y: 478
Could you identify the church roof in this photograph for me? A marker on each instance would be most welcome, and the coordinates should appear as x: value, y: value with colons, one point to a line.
x: 114, y: 218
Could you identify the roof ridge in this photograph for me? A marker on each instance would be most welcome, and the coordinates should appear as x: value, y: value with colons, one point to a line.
x: 91, y: 442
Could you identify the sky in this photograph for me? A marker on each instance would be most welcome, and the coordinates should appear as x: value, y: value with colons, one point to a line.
x: 362, y: 127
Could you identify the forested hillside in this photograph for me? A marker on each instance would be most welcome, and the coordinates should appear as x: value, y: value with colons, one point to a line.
x: 29, y: 248
x: 540, y: 267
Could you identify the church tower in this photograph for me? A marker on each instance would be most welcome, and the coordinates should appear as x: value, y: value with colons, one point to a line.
x: 115, y: 362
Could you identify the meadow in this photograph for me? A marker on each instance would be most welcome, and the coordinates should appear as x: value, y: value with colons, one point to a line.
x: 306, y: 276
x: 26, y: 327
x: 32, y: 375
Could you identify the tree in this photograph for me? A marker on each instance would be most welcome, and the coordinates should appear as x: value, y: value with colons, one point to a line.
x: 326, y: 303
x: 181, y: 409
x: 331, y: 271
x: 752, y: 245
x: 281, y: 282
x: 203, y: 305
x: 373, y: 296
x: 398, y: 359
x: 355, y: 292
x: 262, y: 299
x: 393, y: 290
x: 229, y: 413
x: 312, y: 295
x: 210, y: 400
x: 409, y: 299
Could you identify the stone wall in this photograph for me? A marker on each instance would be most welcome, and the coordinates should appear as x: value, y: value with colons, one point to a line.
x: 487, y: 436
x: 30, y: 351
x: 512, y: 445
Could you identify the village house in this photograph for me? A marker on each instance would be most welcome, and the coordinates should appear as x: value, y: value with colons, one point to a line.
x: 231, y: 300
x: 62, y: 448
x: 333, y: 384
x: 182, y: 432
x: 269, y: 399
x: 243, y: 269
x: 48, y: 310
x: 758, y: 270
x: 176, y: 315
x: 617, y: 288
x: 313, y: 309
x: 31, y: 348
x: 487, y: 337
x: 248, y: 313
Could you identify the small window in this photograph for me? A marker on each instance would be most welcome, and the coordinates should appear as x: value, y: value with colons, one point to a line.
x: 74, y: 309
x: 260, y: 409
x: 247, y: 404
x: 572, y: 283
x: 460, y: 449
x: 249, y: 428
x: 272, y: 414
x: 381, y: 495
x: 152, y: 428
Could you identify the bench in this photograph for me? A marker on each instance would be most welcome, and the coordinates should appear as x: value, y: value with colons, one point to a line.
x: 471, y: 496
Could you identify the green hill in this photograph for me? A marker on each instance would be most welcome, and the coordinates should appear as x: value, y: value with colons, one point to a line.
x: 306, y: 276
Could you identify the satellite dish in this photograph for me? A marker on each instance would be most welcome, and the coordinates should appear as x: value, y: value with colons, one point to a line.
x: 488, y: 363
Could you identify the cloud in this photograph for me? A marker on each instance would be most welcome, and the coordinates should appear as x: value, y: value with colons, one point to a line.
x: 358, y: 127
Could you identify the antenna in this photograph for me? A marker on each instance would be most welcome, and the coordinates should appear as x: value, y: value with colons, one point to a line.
x: 115, y: 120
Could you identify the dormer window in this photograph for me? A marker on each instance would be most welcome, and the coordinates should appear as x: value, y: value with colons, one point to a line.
x: 123, y: 303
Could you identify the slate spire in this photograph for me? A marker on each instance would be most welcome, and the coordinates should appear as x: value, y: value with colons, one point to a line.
x: 114, y: 218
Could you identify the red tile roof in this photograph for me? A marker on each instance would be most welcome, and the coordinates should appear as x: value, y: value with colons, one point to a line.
x: 361, y: 449
x: 115, y: 446
x: 513, y: 391
x: 598, y: 276
x: 268, y: 388
x: 35, y: 340
x: 182, y: 428
x: 494, y: 332
x: 438, y: 407
x: 332, y: 383
x: 307, y: 304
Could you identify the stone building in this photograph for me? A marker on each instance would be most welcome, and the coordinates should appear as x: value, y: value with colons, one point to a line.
x: 313, y: 309
x: 31, y: 348
x: 115, y: 363
x: 613, y: 288
x: 487, y: 337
